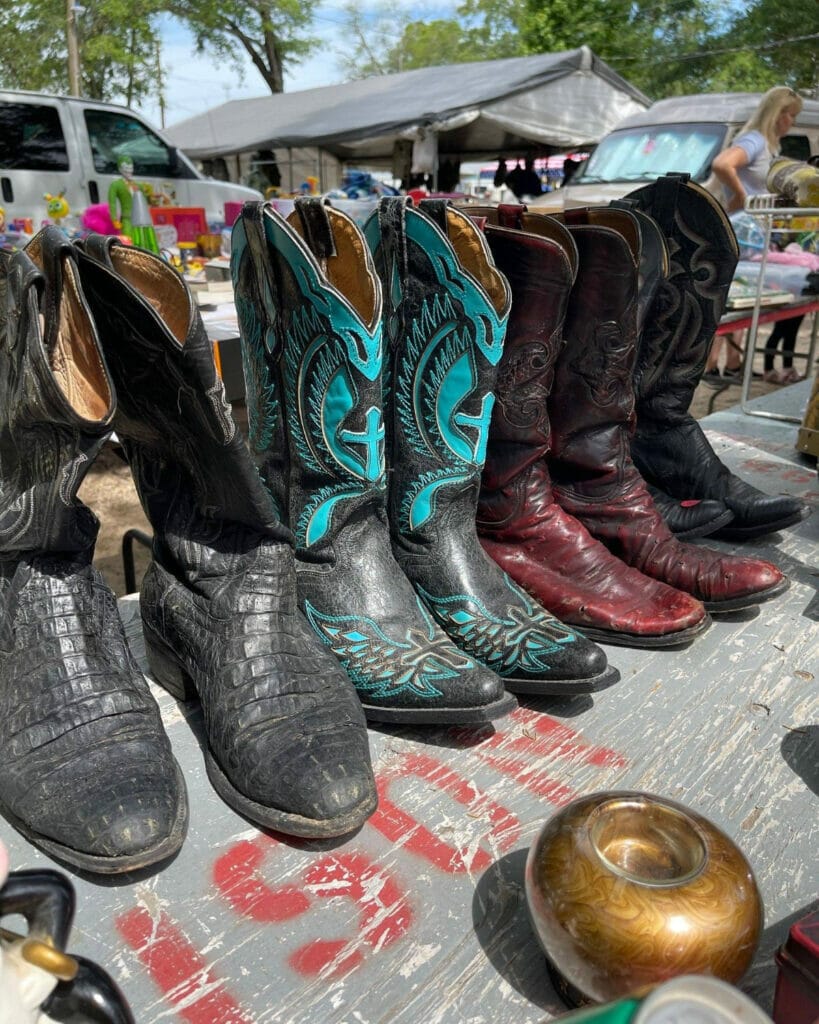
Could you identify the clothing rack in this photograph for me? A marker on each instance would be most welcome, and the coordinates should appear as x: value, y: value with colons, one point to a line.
x: 764, y: 209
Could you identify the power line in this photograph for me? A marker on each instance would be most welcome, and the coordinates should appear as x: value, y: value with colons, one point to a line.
x: 712, y: 53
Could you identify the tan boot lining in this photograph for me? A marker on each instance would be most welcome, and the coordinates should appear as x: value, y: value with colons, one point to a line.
x: 158, y: 284
x: 347, y: 271
x: 75, y: 359
x: 474, y: 257
x: 548, y: 227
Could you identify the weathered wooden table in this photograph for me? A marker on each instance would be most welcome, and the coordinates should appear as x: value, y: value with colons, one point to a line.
x: 420, y: 917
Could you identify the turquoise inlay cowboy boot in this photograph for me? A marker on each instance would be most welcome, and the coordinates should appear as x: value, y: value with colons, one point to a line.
x: 309, y: 306
x: 446, y: 311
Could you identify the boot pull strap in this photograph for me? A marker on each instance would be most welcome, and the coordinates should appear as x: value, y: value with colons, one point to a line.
x: 665, y: 206
x: 391, y: 214
x: 99, y: 248
x: 318, y: 231
x: 435, y: 209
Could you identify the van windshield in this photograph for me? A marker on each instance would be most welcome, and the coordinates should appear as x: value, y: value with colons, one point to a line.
x: 641, y: 154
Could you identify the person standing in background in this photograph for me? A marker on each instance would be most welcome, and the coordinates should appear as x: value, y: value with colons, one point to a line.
x: 742, y: 169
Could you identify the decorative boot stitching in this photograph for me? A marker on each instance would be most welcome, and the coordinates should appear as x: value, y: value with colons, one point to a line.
x: 385, y: 668
x: 518, y: 638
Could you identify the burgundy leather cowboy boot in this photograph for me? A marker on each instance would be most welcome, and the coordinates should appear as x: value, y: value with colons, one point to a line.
x: 545, y: 550
x: 86, y: 770
x: 669, y: 446
x: 592, y: 415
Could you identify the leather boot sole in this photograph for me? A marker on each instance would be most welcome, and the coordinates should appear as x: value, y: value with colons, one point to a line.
x: 109, y: 865
x: 681, y: 638
x: 565, y: 687
x: 737, y: 604
x: 761, y: 529
x: 441, y: 716
x: 169, y: 674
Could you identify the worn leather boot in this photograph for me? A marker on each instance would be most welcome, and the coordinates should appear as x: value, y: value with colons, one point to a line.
x: 669, y: 447
x: 286, y: 738
x: 446, y: 312
x: 310, y: 313
x: 592, y: 416
x: 545, y: 550
x: 86, y: 770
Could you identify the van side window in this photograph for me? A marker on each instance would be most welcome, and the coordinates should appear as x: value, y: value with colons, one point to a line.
x: 797, y: 147
x: 31, y: 138
x: 114, y: 135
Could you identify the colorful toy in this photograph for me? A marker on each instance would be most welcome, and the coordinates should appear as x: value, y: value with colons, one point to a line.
x: 57, y: 207
x: 129, y: 208
x: 97, y: 218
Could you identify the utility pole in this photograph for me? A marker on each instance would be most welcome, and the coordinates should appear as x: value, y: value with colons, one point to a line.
x: 160, y: 85
x: 73, y: 48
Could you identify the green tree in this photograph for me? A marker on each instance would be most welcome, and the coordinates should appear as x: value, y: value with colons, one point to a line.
x: 116, y: 39
x: 272, y: 34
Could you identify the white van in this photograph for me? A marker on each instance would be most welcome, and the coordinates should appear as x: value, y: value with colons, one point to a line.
x: 53, y: 144
x: 682, y: 133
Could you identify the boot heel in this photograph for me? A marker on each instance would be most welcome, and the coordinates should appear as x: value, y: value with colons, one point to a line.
x: 165, y: 669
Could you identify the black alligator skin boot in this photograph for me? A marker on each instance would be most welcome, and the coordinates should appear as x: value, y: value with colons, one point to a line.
x: 446, y: 312
x: 669, y: 447
x: 86, y: 770
x: 309, y: 305
x: 287, y: 742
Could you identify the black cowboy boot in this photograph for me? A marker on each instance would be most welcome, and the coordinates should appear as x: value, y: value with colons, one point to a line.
x: 592, y: 416
x: 86, y: 771
x: 548, y: 552
x: 446, y: 312
x: 310, y: 311
x: 286, y: 739
x: 669, y: 446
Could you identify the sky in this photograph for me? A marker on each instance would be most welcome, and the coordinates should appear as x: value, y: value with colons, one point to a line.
x: 193, y: 83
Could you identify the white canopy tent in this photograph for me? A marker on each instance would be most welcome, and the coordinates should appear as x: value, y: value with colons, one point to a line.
x: 549, y: 102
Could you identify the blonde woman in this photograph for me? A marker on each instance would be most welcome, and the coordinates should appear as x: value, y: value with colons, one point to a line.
x: 743, y: 169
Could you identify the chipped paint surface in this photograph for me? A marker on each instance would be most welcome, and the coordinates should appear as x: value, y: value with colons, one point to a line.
x: 420, y: 917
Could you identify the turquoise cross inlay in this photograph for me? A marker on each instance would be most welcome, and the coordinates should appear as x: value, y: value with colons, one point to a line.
x: 371, y: 439
x: 480, y: 424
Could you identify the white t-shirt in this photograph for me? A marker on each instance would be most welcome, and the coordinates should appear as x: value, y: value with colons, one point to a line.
x: 755, y: 175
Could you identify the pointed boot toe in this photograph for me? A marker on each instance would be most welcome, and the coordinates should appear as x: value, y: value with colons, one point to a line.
x: 757, y: 514
x: 743, y: 583
x: 291, y: 780
x: 579, y: 667
x: 146, y: 826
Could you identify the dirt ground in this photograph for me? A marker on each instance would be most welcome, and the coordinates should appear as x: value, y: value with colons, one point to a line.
x: 109, y: 490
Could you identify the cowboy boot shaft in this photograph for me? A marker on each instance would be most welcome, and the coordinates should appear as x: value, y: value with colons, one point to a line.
x: 687, y: 308
x: 445, y: 315
x: 591, y: 407
x: 329, y: 367
x: 57, y: 397
x: 192, y: 470
x: 540, y: 275
x: 256, y: 307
